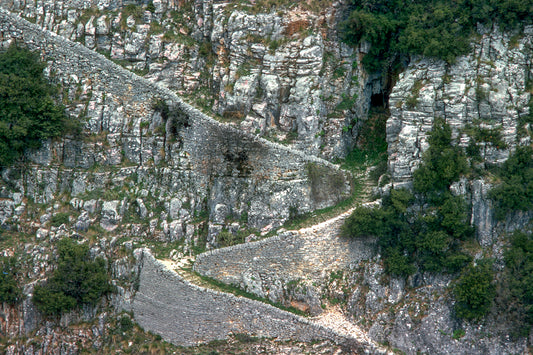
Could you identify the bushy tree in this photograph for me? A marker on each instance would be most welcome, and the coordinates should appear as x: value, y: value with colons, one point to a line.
x: 474, y: 291
x: 442, y: 163
x: 434, y: 28
x: 516, y: 287
x: 28, y: 113
x: 10, y: 291
x: 515, y: 192
x: 78, y: 280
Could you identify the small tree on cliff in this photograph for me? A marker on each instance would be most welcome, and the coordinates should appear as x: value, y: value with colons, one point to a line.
x: 78, y: 280
x: 28, y: 113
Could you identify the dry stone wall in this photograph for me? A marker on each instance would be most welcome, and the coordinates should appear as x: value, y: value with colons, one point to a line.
x: 304, y: 258
x: 185, y: 162
x: 186, y: 314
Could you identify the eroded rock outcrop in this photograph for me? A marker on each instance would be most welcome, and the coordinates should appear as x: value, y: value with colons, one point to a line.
x: 485, y: 89
x: 483, y: 97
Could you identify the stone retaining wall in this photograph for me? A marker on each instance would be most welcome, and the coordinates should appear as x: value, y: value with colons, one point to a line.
x: 267, y: 266
x: 186, y: 314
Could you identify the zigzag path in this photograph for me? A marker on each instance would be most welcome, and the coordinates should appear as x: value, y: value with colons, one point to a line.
x: 332, y: 318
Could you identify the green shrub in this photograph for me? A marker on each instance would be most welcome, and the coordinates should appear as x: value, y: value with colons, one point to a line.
x: 458, y: 333
x: 78, y: 280
x: 516, y: 286
x: 131, y: 10
x: 245, y: 338
x: 442, y: 163
x: 59, y: 219
x: 516, y: 190
x: 474, y: 291
x: 397, y: 263
x: 150, y: 7
x: 347, y: 102
x: 424, y: 231
x: 10, y: 291
x: 28, y: 113
x: 364, y: 222
x: 126, y: 324
x: 227, y: 238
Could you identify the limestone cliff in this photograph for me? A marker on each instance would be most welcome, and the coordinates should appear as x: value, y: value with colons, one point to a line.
x: 488, y: 90
x: 282, y: 73
x: 485, y: 90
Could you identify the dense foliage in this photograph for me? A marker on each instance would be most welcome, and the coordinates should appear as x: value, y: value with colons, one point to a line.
x: 10, y: 291
x: 78, y: 280
x: 427, y: 230
x: 434, y: 28
x: 422, y: 231
x: 515, y: 289
x: 442, y: 164
x: 516, y: 189
x: 28, y: 113
x: 474, y: 291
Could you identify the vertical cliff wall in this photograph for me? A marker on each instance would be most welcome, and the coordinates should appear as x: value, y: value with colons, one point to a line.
x: 487, y: 89
x: 484, y: 97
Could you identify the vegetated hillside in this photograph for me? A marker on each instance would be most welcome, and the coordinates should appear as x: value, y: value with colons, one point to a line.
x: 438, y: 29
x: 458, y: 213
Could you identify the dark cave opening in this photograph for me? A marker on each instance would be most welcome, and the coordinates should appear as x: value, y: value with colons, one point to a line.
x: 378, y: 100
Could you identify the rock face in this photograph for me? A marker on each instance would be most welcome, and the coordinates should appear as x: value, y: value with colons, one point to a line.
x: 285, y: 75
x: 146, y: 165
x: 482, y: 97
x: 185, y: 161
x: 483, y: 90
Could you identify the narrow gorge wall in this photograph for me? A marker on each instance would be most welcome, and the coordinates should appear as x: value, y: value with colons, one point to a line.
x: 182, y: 161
